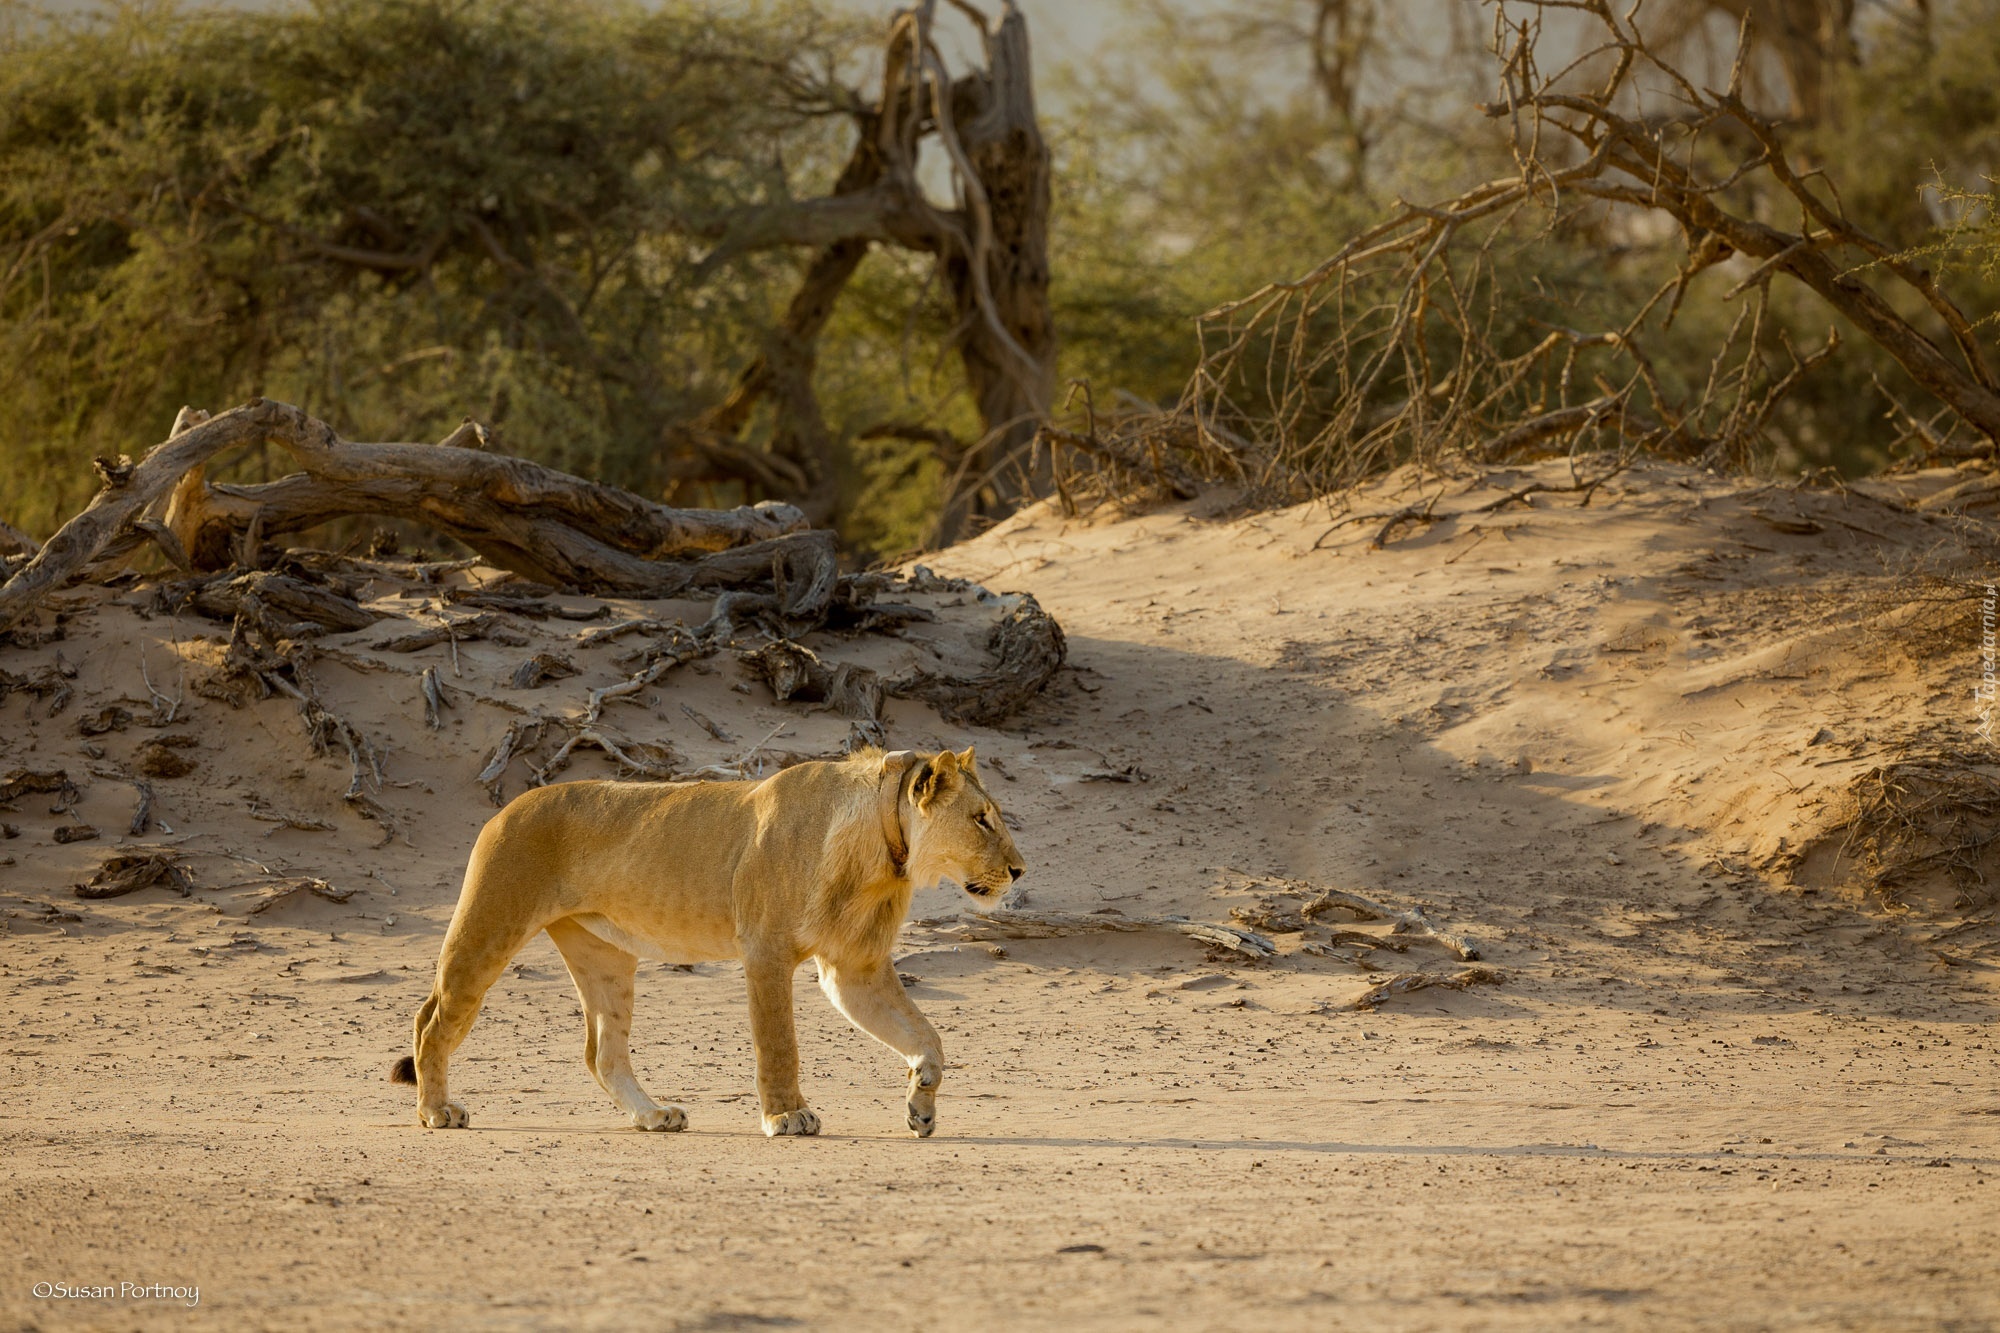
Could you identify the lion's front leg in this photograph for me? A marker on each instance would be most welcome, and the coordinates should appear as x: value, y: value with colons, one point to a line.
x: 771, y: 1031
x: 873, y: 998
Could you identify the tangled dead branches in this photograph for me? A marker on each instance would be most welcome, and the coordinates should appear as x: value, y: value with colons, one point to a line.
x: 1401, y: 346
x: 1933, y: 818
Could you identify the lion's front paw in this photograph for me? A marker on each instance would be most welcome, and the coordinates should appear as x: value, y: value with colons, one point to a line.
x: 802, y: 1121
x: 451, y: 1115
x: 925, y: 1076
x: 664, y: 1118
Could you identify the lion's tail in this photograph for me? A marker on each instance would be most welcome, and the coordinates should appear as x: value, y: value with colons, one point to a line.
x: 404, y: 1070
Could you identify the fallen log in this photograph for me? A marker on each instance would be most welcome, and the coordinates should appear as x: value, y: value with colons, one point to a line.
x: 285, y: 600
x: 543, y: 524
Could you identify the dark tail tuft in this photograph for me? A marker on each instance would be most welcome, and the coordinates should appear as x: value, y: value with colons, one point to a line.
x: 404, y: 1070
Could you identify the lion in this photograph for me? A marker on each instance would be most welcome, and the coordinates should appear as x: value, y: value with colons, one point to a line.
x: 816, y: 861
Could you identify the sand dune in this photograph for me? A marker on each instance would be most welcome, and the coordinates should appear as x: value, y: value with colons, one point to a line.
x: 1731, y: 1063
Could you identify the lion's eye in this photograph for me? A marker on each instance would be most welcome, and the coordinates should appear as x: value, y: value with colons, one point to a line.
x: 984, y: 821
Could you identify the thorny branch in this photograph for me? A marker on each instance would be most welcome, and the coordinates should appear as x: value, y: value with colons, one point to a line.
x: 1401, y: 347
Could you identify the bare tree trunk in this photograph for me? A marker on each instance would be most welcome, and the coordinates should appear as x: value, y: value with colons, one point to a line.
x: 1007, y: 342
x: 801, y: 446
x: 994, y: 257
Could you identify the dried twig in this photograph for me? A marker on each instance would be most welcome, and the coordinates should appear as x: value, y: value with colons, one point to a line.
x: 706, y: 723
x: 435, y: 699
x: 285, y: 890
x: 165, y: 709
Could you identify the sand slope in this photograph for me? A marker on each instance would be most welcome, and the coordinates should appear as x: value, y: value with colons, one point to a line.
x: 1717, y: 1083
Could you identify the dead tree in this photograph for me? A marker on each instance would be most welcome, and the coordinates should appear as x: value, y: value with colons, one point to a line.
x: 1389, y: 351
x: 992, y: 253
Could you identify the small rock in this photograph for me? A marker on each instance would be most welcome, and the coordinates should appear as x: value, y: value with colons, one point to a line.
x: 75, y: 833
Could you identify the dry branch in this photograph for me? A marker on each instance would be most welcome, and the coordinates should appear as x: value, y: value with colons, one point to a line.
x: 1004, y: 924
x: 1401, y: 347
x: 706, y: 723
x: 285, y: 890
x: 435, y: 701
x: 464, y: 629
x: 1402, y: 983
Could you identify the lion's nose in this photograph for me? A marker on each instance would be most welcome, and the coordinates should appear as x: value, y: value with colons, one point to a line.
x: 1016, y: 871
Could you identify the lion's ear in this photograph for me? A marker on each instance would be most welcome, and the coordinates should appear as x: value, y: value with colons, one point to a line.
x: 936, y: 778
x: 965, y: 759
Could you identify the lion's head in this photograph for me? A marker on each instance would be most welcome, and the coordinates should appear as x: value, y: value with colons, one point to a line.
x: 956, y: 831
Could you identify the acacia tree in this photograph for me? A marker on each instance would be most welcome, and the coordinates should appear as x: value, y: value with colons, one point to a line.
x: 615, y: 235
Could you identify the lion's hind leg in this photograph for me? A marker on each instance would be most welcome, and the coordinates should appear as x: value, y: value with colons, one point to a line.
x: 603, y: 974
x: 476, y: 950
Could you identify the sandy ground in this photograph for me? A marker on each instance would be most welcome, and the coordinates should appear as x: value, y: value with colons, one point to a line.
x: 1715, y: 1086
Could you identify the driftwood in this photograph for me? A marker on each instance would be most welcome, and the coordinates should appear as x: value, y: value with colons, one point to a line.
x: 24, y: 781
x: 1402, y: 921
x: 280, y: 819
x: 528, y: 600
x: 435, y: 701
x: 521, y: 735
x: 642, y: 759
x: 1402, y: 983
x: 465, y: 629
x: 1408, y: 922
x: 706, y: 723
x: 48, y: 682
x: 541, y: 669
x: 1005, y: 924
x: 293, y: 607
x: 285, y: 890
x: 533, y: 520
